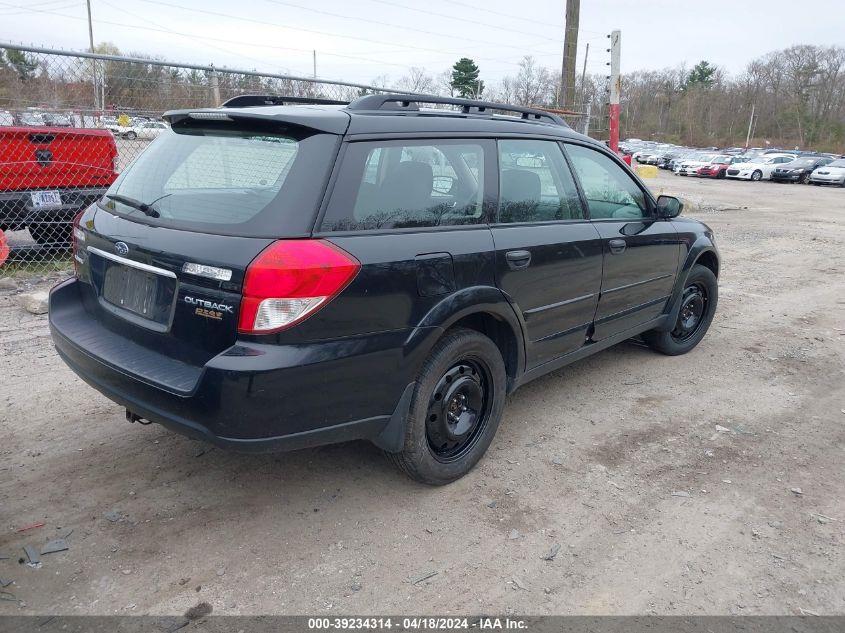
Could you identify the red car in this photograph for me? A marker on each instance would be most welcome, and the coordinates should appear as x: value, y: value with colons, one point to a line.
x: 49, y: 174
x: 717, y: 167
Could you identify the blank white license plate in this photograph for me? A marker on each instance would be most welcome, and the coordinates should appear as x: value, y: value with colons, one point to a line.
x: 44, y: 199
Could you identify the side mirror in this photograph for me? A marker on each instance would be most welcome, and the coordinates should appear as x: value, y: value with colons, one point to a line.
x: 669, y: 207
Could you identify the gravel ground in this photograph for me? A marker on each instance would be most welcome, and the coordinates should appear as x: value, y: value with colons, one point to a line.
x: 705, y: 484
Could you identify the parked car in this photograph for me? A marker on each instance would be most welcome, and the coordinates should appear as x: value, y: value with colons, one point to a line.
x: 799, y: 170
x: 831, y: 174
x: 717, y: 167
x: 144, y: 130
x: 226, y: 291
x: 665, y: 161
x: 690, y: 166
x: 6, y: 118
x: 30, y: 119
x: 54, y: 119
x: 47, y: 175
x: 759, y: 168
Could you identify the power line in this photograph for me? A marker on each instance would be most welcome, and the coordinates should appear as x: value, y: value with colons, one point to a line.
x: 170, y: 5
x: 512, y: 16
x: 470, y: 21
x: 389, y: 24
x: 203, y: 37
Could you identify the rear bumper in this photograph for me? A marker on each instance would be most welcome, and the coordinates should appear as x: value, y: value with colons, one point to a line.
x: 17, y: 210
x: 252, y: 397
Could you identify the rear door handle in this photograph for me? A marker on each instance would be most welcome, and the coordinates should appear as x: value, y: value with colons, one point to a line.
x: 518, y: 259
x: 617, y: 246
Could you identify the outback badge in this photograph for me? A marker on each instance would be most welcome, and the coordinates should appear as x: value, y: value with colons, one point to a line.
x: 209, y: 309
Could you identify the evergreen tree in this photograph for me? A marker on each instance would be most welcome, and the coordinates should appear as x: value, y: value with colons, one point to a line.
x: 702, y: 75
x: 465, y: 78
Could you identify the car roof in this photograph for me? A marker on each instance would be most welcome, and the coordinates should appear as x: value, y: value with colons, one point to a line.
x: 357, y: 118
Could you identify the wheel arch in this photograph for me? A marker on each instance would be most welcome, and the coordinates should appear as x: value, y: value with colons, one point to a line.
x: 703, y: 252
x: 484, y: 309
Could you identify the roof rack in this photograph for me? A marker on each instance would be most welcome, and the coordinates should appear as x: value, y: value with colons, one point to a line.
x: 409, y: 103
x: 248, y: 101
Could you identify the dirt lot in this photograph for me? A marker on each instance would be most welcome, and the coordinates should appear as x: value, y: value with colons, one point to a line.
x: 617, y: 459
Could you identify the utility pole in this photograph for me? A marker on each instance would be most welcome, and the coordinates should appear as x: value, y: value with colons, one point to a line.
x: 750, y: 122
x: 315, y: 63
x: 584, y: 76
x: 615, y: 87
x: 570, y: 52
x: 93, y: 61
x: 215, y: 88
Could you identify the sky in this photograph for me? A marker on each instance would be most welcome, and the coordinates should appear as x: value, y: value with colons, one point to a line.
x: 359, y: 40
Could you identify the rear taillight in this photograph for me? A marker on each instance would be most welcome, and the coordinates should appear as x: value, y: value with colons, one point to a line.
x: 78, y: 248
x: 289, y: 281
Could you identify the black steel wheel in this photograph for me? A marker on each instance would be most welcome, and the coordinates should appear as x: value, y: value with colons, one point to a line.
x: 695, y: 307
x: 691, y: 315
x: 458, y: 409
x: 455, y: 408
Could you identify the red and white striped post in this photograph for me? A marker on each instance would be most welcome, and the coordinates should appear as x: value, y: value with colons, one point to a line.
x: 615, y: 87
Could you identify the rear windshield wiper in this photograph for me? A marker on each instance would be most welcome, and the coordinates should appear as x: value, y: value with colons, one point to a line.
x: 143, y: 207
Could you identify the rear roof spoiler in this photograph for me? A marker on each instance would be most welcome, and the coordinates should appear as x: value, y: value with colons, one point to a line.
x: 250, y: 101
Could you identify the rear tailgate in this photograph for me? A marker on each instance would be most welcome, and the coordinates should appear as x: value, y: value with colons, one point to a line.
x: 138, y: 286
x: 45, y: 157
x: 162, y: 281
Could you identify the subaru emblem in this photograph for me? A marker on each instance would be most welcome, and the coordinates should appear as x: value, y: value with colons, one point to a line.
x: 121, y: 248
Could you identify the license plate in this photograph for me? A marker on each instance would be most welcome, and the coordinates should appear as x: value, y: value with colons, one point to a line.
x: 45, y: 199
x: 131, y: 289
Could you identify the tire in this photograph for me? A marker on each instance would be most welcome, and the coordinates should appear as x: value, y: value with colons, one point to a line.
x: 698, y: 305
x: 465, y: 369
x: 54, y: 234
x: 130, y: 136
x: 757, y: 175
x: 805, y: 179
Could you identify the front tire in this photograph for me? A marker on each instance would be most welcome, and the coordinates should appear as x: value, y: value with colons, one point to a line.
x: 698, y: 305
x: 131, y: 136
x: 757, y: 176
x: 455, y: 410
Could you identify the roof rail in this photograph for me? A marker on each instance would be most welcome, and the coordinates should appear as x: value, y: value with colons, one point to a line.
x: 248, y: 101
x: 409, y: 103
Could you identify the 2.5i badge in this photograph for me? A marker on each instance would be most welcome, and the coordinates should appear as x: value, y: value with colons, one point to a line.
x: 209, y: 309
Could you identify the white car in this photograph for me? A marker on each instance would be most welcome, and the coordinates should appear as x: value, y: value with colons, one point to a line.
x: 831, y: 174
x: 760, y: 168
x: 690, y: 166
x: 145, y: 129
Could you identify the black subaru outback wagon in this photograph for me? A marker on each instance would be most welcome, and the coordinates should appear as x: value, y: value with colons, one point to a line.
x: 271, y: 277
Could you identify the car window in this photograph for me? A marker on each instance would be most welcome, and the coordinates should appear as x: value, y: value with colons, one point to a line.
x: 535, y: 184
x: 408, y: 184
x: 232, y: 181
x: 610, y: 192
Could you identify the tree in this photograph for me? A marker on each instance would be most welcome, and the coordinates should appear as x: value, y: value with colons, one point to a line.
x: 465, y: 79
x: 702, y: 74
x: 417, y: 80
x: 23, y: 64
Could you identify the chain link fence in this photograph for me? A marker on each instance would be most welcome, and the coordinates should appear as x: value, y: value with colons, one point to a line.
x: 70, y: 122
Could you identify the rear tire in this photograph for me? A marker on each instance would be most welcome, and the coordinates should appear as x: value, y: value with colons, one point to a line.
x: 698, y: 305
x: 455, y: 410
x: 130, y: 136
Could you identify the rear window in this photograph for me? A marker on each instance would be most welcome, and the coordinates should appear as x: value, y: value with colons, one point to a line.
x: 250, y: 182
